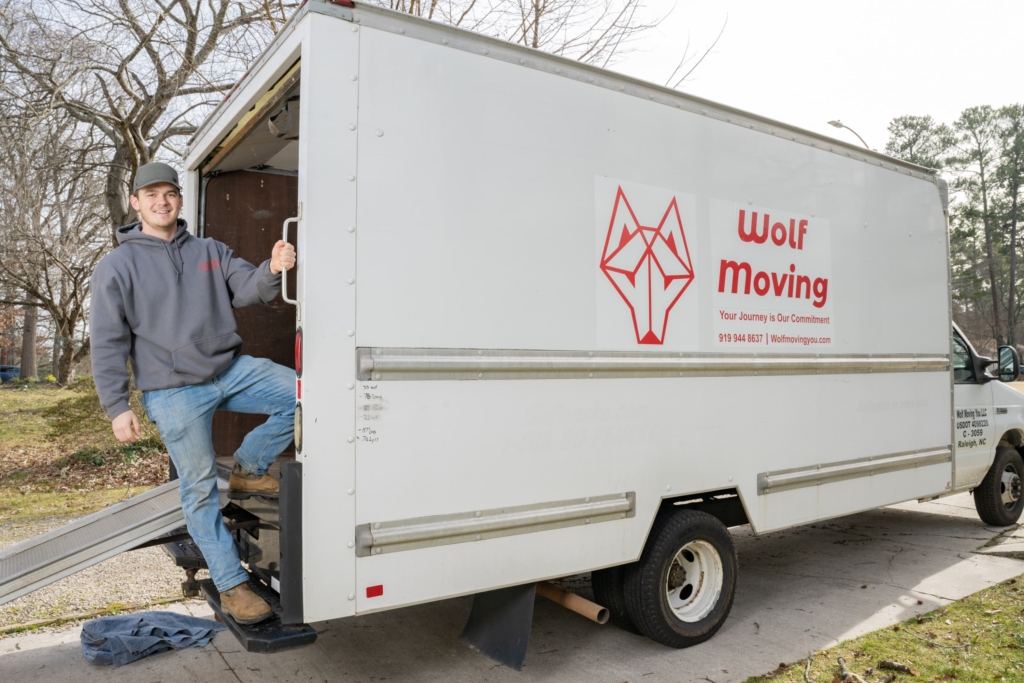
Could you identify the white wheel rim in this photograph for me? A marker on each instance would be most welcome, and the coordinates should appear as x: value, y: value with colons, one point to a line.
x: 694, y: 581
x: 1010, y: 486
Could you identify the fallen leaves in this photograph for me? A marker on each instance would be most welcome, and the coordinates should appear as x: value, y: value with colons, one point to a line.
x: 49, y: 469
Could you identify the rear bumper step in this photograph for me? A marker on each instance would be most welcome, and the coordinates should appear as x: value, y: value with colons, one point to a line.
x: 187, y: 555
x: 270, y: 635
x: 184, y: 551
x: 242, y: 524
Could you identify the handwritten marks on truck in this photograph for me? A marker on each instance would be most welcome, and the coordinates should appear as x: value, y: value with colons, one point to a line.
x: 370, y: 408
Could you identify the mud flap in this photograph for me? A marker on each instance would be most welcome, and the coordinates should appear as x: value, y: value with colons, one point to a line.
x: 499, y: 624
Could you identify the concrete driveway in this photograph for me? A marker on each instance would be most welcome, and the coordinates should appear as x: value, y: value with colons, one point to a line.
x: 799, y: 591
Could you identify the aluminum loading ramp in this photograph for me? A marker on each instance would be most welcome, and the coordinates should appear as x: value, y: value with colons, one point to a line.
x: 50, y: 557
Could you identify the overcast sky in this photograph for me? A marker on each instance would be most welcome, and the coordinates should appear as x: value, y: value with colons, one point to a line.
x: 863, y: 62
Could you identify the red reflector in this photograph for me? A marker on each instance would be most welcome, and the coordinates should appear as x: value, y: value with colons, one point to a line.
x: 298, y: 352
x: 298, y: 389
x: 343, y: 3
x: 375, y: 591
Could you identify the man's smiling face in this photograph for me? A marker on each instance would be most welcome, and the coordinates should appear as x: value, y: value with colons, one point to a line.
x: 158, y: 205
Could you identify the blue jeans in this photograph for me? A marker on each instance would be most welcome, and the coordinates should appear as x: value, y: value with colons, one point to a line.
x: 184, y: 416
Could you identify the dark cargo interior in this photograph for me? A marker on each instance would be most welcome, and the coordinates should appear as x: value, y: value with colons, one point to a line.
x: 245, y: 210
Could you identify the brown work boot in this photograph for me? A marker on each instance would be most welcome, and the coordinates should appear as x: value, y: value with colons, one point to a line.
x: 244, y: 606
x: 244, y: 484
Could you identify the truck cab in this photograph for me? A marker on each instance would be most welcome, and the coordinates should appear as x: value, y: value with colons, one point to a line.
x: 988, y: 430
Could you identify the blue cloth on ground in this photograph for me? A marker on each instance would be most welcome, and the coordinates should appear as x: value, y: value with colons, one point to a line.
x: 122, y: 639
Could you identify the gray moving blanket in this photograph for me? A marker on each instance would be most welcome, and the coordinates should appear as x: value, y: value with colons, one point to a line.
x: 122, y: 639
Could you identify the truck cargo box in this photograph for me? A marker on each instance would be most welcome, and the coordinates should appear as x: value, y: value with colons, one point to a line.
x: 541, y: 306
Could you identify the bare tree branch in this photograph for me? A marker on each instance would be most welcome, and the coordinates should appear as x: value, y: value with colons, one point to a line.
x: 685, y: 59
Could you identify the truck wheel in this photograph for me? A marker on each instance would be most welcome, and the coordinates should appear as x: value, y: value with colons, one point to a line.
x: 610, y: 592
x: 998, y: 497
x: 681, y: 590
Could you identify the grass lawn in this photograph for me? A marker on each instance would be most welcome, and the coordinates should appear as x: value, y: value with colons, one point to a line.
x: 17, y: 507
x: 979, y: 638
x: 21, y: 414
x: 59, y: 457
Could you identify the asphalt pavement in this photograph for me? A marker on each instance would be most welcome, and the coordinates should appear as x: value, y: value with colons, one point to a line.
x: 799, y: 591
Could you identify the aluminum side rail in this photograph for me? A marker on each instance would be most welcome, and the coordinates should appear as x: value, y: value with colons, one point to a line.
x: 49, y: 557
x: 465, y: 527
x: 816, y: 475
x: 441, y: 364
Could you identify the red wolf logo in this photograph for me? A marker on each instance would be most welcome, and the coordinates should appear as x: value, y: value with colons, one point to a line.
x: 650, y: 268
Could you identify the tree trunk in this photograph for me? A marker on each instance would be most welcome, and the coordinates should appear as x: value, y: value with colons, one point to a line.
x: 56, y: 349
x: 1011, y: 327
x: 117, y: 189
x: 69, y: 359
x: 65, y: 363
x: 997, y: 327
x: 64, y: 366
x: 29, y: 367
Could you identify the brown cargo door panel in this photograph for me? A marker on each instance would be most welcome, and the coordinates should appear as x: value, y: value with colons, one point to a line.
x: 245, y: 210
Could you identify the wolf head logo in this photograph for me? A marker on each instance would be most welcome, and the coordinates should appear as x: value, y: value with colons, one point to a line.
x: 649, y: 267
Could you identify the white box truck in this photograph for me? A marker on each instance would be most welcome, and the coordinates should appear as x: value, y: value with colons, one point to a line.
x: 550, y: 319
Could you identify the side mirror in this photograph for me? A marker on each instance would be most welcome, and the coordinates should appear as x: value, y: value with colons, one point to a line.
x: 1009, y: 364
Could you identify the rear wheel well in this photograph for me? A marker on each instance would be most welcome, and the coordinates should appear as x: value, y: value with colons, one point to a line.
x: 723, y: 504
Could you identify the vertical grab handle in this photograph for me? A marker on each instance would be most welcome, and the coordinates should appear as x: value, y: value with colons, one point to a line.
x: 284, y: 273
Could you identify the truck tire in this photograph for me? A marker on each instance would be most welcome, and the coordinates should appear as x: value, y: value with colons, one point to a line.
x: 681, y: 590
x: 998, y: 497
x: 610, y: 592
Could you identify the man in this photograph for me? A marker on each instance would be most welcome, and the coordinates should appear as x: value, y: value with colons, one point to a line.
x: 163, y: 299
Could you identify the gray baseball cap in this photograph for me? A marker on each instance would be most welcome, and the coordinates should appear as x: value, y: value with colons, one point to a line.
x: 155, y: 172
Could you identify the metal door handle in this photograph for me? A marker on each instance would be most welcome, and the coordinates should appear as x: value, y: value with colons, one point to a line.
x: 284, y: 271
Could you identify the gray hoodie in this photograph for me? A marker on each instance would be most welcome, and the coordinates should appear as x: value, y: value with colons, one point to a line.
x: 167, y: 306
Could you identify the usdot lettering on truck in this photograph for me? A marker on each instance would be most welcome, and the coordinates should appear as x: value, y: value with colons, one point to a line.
x: 554, y: 320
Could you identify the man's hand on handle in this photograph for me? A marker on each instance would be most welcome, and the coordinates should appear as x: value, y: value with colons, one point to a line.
x: 282, y: 258
x: 127, y: 427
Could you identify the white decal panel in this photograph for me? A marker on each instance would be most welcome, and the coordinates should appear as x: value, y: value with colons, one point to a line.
x: 646, y: 282
x: 772, y: 272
